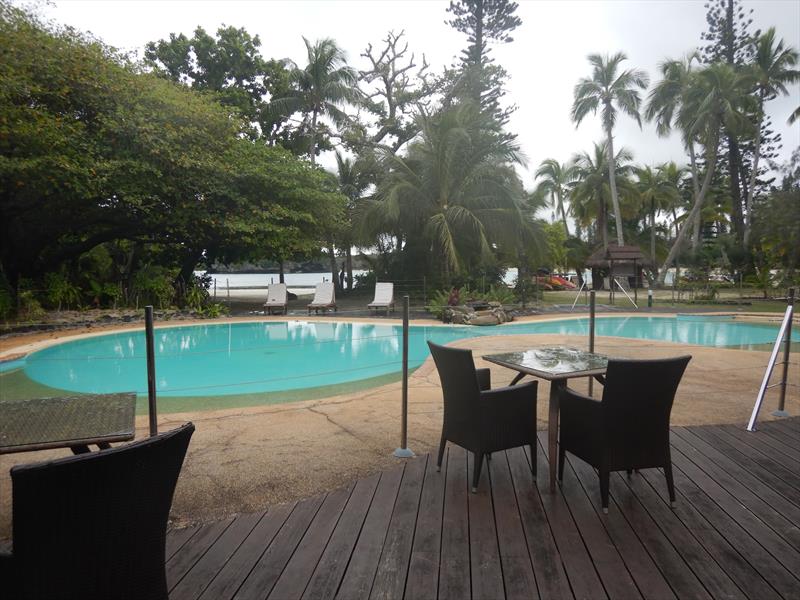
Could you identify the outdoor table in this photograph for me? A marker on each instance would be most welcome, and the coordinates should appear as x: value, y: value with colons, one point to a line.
x: 556, y: 364
x: 67, y: 422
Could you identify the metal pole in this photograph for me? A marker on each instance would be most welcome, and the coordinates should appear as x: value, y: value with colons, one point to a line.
x: 152, y: 410
x: 591, y: 335
x: 781, y: 412
x: 403, y: 451
x: 787, y: 318
x: 635, y: 283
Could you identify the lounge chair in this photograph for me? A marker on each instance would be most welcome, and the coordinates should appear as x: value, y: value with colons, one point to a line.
x: 629, y: 428
x: 478, y: 418
x: 384, y: 297
x: 324, y: 297
x: 276, y: 298
x: 94, y: 525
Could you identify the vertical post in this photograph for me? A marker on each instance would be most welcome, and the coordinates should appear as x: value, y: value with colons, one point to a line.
x: 403, y: 451
x: 781, y: 412
x: 215, y: 288
x: 424, y: 291
x: 591, y: 335
x: 649, y: 297
x: 635, y: 283
x: 228, y: 286
x: 151, y: 370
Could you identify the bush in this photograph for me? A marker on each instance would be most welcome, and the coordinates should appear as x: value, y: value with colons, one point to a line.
x: 60, y: 290
x: 153, y: 285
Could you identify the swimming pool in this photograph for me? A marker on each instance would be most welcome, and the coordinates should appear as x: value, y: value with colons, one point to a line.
x: 266, y: 357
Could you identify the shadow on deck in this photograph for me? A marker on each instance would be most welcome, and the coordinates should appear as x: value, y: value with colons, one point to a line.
x: 416, y: 533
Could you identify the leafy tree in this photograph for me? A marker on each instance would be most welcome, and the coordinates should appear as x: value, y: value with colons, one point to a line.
x: 230, y: 65
x: 657, y: 193
x: 477, y: 79
x: 353, y: 180
x: 603, y: 90
x: 556, y: 181
x: 772, y: 68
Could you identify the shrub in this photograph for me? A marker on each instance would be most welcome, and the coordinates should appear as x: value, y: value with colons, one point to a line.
x: 60, y: 290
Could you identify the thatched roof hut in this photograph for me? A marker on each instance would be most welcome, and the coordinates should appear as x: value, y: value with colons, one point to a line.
x: 615, y: 255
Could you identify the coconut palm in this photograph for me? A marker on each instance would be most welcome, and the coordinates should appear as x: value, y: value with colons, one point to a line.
x: 556, y: 181
x: 320, y: 89
x: 700, y: 103
x: 657, y: 193
x: 772, y: 70
x: 455, y: 191
x: 353, y: 182
x: 591, y: 191
x: 603, y: 90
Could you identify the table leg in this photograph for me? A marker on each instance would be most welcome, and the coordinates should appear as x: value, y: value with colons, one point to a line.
x: 552, y: 428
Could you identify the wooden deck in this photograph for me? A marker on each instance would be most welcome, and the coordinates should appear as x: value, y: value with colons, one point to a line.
x: 416, y: 533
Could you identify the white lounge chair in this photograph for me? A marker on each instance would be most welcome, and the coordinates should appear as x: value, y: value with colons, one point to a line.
x: 324, y: 297
x: 276, y: 297
x: 384, y: 297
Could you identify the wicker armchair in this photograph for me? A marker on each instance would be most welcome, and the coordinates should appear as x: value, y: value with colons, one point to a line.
x: 94, y: 525
x: 478, y: 418
x: 629, y: 428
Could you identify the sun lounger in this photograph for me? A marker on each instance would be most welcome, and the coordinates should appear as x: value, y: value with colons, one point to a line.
x: 276, y: 297
x: 384, y: 297
x: 324, y: 297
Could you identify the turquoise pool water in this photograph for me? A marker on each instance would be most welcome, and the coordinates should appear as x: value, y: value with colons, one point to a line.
x: 259, y: 357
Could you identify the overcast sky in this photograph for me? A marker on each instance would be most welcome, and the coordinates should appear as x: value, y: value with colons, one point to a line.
x: 545, y: 60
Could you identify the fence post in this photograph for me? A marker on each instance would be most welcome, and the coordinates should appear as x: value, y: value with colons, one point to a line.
x: 403, y: 451
x: 151, y: 370
x: 781, y: 412
x: 591, y: 335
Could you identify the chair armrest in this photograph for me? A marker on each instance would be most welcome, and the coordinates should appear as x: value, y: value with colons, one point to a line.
x: 484, y: 379
x: 572, y: 399
x: 510, y: 399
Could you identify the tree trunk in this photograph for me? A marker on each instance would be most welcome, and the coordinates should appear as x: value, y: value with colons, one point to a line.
x: 748, y: 224
x: 281, y: 276
x: 653, y: 230
x: 602, y: 224
x: 612, y: 180
x: 312, y: 146
x: 334, y: 272
x: 734, y: 160
x: 563, y: 215
x: 696, y: 189
x: 693, y: 214
x: 349, y: 266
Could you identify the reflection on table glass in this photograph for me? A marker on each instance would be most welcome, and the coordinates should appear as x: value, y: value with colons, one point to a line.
x: 555, y: 360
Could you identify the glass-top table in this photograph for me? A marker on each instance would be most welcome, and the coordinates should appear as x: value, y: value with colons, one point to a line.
x: 68, y: 422
x: 556, y: 364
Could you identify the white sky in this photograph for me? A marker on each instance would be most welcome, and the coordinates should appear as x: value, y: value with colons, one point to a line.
x: 545, y: 60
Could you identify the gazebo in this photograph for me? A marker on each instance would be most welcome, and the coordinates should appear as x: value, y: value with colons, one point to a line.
x: 626, y: 261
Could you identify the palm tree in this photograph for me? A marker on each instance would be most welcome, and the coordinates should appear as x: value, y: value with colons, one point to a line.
x: 352, y: 183
x: 657, y: 193
x: 700, y: 103
x: 772, y: 70
x: 320, y: 89
x: 591, y: 191
x: 556, y: 181
x: 455, y: 191
x: 605, y: 89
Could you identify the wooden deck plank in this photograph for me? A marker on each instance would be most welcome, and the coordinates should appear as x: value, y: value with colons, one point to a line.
x: 454, y: 564
x: 232, y: 575
x: 783, y: 434
x: 651, y: 490
x: 206, y: 568
x: 390, y: 578
x: 780, y: 478
x: 778, y: 440
x: 518, y: 577
x: 750, y: 475
x: 581, y: 571
x: 762, y: 444
x: 360, y: 572
x: 643, y: 570
x: 485, y: 567
x: 616, y: 579
x: 738, y: 525
x: 185, y: 558
x: 423, y: 568
x: 736, y: 484
x: 331, y: 566
x: 551, y: 580
x: 268, y: 569
x: 296, y: 574
x: 177, y: 538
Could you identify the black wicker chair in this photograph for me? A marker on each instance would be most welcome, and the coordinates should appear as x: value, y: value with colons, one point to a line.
x: 629, y: 428
x: 94, y: 525
x: 478, y: 418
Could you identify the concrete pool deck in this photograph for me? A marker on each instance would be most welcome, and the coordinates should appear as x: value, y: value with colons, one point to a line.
x: 244, y: 459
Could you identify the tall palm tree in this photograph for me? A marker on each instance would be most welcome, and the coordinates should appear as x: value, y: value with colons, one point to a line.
x: 320, y: 89
x: 657, y: 193
x: 591, y: 192
x: 700, y: 104
x: 352, y: 183
x: 556, y: 180
x: 455, y: 191
x: 772, y: 70
x: 603, y: 90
